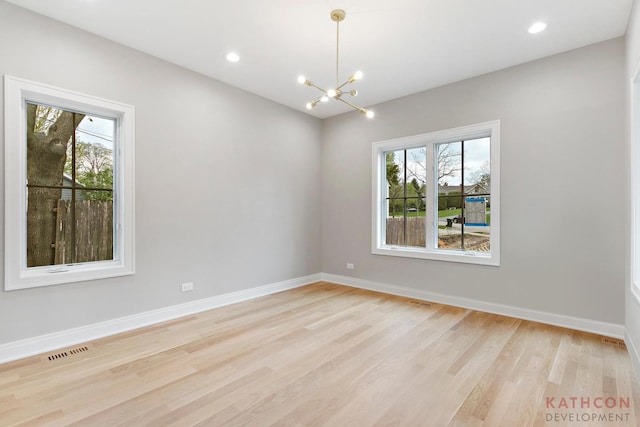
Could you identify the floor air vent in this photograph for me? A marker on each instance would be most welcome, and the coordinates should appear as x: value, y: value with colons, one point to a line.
x: 67, y: 353
x: 614, y: 341
x: 417, y: 302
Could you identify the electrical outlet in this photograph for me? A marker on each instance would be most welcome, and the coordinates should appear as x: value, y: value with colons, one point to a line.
x: 350, y: 266
x: 186, y: 287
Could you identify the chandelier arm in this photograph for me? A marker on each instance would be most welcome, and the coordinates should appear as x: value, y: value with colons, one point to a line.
x: 355, y: 107
x: 317, y: 87
x: 344, y: 84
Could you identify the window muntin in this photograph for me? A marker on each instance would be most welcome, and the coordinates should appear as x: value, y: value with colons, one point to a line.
x: 110, y: 185
x: 454, y: 176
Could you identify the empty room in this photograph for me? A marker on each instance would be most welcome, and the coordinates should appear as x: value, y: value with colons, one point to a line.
x: 320, y: 213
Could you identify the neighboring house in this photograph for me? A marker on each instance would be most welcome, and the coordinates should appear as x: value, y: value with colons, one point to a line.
x: 446, y: 189
x: 66, y: 191
x: 468, y: 189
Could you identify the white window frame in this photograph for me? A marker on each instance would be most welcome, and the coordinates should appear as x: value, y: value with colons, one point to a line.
x: 429, y: 140
x: 17, y: 275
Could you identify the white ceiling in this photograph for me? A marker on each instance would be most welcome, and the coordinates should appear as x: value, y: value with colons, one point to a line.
x: 402, y: 46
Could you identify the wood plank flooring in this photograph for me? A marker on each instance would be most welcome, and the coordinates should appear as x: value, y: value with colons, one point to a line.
x: 329, y: 355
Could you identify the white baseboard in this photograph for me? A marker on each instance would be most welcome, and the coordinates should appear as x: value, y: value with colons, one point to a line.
x: 49, y: 342
x: 602, y: 328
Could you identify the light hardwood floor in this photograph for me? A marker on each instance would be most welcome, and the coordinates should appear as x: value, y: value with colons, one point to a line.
x: 328, y: 355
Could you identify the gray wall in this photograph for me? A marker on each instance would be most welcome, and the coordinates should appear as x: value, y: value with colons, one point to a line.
x: 563, y: 185
x: 227, y: 183
x: 632, y: 312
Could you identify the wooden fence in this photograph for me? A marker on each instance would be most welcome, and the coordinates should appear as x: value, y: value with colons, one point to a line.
x: 93, y: 231
x: 415, y: 231
x: 416, y: 236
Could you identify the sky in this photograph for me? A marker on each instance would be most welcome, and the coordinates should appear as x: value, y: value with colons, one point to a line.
x: 97, y: 130
x: 476, y: 156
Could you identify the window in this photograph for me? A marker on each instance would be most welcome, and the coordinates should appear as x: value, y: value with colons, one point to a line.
x: 69, y: 187
x: 437, y: 195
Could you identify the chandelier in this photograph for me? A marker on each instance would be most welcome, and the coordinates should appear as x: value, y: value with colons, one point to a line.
x: 337, y: 16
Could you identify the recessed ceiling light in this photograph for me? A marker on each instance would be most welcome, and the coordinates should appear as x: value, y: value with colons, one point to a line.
x: 233, y: 57
x: 537, y: 28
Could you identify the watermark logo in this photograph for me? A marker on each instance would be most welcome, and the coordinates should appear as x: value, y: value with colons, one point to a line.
x: 603, y: 409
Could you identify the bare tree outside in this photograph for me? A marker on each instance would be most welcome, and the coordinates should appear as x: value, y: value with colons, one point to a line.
x: 481, y: 179
x: 448, y: 162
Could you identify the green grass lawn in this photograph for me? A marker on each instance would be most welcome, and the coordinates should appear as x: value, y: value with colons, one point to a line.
x: 452, y: 212
x: 449, y: 212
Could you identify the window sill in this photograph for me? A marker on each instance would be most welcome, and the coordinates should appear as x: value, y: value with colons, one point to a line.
x: 440, y: 255
x: 59, y: 274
